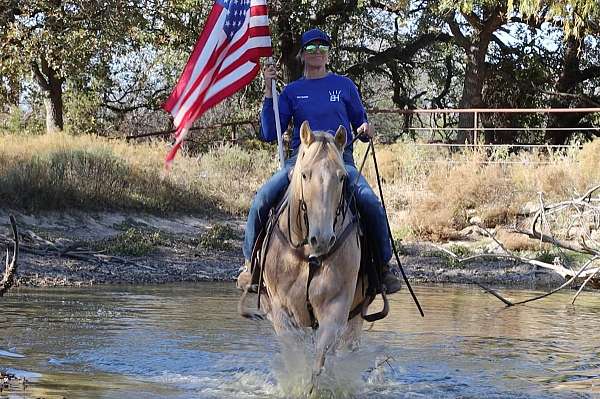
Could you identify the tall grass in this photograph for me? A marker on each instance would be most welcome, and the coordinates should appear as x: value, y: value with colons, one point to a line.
x: 437, y: 193
x: 430, y: 192
x: 57, y: 172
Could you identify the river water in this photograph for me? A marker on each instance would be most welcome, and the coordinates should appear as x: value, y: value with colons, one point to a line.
x: 187, y: 341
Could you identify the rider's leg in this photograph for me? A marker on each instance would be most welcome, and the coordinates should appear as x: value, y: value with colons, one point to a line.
x: 265, y: 199
x: 371, y: 209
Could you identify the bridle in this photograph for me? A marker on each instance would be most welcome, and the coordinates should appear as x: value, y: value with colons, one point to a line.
x: 302, y: 215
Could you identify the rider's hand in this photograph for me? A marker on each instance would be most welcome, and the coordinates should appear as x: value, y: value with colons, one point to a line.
x: 366, y: 130
x: 269, y: 73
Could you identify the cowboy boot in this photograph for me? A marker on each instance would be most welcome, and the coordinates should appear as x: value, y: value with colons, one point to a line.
x: 390, y: 280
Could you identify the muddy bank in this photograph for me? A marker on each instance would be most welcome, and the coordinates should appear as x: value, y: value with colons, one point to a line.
x: 113, y: 248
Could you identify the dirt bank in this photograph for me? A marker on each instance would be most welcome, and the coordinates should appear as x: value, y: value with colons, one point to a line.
x: 61, y: 249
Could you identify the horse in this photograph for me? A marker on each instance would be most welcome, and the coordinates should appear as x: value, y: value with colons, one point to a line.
x: 313, y: 256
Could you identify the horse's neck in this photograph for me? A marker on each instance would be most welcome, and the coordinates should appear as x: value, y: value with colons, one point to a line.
x: 291, y: 218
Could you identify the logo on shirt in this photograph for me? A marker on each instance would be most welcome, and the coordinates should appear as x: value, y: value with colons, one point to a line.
x: 334, y: 95
x: 301, y: 96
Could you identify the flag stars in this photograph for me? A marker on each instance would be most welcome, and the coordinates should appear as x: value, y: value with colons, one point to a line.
x: 236, y: 15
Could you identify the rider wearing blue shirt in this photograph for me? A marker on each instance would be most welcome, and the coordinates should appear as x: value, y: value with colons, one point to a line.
x: 326, y: 101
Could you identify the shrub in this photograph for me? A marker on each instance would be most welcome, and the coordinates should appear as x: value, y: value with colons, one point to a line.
x: 218, y: 237
x: 133, y: 242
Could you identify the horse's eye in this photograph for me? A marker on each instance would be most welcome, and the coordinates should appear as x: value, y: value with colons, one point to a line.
x: 304, y: 175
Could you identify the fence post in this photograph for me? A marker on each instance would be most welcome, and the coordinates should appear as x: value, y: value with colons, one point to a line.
x: 475, y: 133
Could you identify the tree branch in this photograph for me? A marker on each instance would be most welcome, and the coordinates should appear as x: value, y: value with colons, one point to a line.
x: 11, y: 267
x: 403, y: 53
x: 39, y: 76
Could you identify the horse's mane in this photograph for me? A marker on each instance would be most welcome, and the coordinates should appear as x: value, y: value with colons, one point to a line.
x: 322, y: 146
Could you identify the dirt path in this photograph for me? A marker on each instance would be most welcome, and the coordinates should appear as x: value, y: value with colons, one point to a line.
x: 146, y: 249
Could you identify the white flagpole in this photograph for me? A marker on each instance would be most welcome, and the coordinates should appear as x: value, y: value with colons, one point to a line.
x: 277, y: 121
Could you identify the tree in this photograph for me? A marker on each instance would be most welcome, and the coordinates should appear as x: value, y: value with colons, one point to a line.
x: 476, y: 24
x: 57, y: 41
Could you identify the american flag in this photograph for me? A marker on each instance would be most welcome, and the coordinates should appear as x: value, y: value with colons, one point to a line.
x: 224, y: 60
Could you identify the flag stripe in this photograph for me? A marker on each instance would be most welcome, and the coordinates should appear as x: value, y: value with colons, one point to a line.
x: 211, y: 98
x: 224, y: 60
x: 196, y: 92
x: 258, y: 10
x: 201, y: 81
x: 203, y: 48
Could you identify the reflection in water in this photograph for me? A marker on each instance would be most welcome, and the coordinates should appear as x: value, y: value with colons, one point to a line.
x: 185, y: 341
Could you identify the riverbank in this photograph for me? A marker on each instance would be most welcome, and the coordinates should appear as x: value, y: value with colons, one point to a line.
x: 83, y: 249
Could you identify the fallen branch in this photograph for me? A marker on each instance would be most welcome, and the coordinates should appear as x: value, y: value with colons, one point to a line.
x: 587, y: 280
x: 11, y: 266
x: 43, y: 247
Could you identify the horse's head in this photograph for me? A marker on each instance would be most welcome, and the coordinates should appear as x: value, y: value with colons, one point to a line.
x: 318, y: 182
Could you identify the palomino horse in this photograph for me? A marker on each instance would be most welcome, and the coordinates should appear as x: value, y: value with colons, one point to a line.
x: 314, y: 236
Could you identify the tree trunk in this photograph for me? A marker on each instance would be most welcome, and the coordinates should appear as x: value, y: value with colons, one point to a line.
x: 54, y: 108
x: 471, y: 94
x: 290, y: 45
x: 476, y: 47
x: 566, y: 84
x: 51, y: 84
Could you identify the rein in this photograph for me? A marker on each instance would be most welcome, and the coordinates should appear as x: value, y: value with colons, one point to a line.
x: 387, y: 220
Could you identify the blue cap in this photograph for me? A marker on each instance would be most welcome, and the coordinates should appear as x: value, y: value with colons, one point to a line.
x: 315, y: 34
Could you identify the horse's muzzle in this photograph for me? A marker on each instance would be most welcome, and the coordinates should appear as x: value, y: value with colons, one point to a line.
x: 320, y: 244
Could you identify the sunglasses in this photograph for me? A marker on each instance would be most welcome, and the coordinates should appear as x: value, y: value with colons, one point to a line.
x: 313, y: 48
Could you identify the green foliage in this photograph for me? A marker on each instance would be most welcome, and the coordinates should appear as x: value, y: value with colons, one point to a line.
x: 17, y: 121
x: 81, y: 108
x: 219, y: 237
x: 546, y: 256
x: 133, y: 242
x: 117, y: 61
x: 461, y: 251
x: 401, y: 233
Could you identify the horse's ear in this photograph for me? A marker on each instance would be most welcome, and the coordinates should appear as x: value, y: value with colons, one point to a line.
x: 340, y: 138
x: 306, y: 135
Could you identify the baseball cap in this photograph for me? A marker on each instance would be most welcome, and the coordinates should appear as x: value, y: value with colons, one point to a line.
x: 314, y: 34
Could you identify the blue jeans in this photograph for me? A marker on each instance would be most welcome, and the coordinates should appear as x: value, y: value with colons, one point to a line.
x: 368, y: 205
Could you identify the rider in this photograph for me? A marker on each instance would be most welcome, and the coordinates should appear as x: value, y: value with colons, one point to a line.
x: 326, y: 100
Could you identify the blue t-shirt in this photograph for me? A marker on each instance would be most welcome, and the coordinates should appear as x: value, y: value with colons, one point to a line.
x: 326, y: 103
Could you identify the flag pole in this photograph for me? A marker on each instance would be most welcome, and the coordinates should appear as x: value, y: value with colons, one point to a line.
x: 277, y: 121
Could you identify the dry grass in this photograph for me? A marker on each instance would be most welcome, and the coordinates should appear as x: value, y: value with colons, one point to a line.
x: 60, y: 171
x: 430, y: 192
x: 520, y: 243
x: 443, y: 192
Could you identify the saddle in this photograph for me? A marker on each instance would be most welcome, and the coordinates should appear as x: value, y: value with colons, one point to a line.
x: 371, y: 267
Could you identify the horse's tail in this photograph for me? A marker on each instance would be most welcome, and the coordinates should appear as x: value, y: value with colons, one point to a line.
x: 244, y: 311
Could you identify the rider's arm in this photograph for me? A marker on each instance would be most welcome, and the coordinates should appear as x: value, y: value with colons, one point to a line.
x: 356, y: 110
x: 268, y: 131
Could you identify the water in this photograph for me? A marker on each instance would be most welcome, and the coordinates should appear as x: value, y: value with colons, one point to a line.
x: 187, y: 341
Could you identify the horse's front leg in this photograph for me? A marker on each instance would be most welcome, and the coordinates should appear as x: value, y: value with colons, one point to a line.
x: 332, y: 323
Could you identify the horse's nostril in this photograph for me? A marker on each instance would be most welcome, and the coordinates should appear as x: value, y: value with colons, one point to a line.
x: 332, y: 240
x: 313, y: 241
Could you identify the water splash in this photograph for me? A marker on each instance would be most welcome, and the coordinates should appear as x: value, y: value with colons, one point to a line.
x: 347, y: 374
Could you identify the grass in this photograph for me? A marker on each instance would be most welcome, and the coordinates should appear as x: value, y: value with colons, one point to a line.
x: 219, y: 237
x: 437, y: 198
x: 61, y: 172
x: 430, y: 193
x: 133, y: 242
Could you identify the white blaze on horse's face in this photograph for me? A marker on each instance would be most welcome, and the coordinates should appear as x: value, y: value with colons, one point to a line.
x: 322, y: 173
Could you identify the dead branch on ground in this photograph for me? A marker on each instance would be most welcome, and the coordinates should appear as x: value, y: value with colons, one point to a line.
x: 11, y: 264
x: 62, y: 248
x: 567, y: 225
